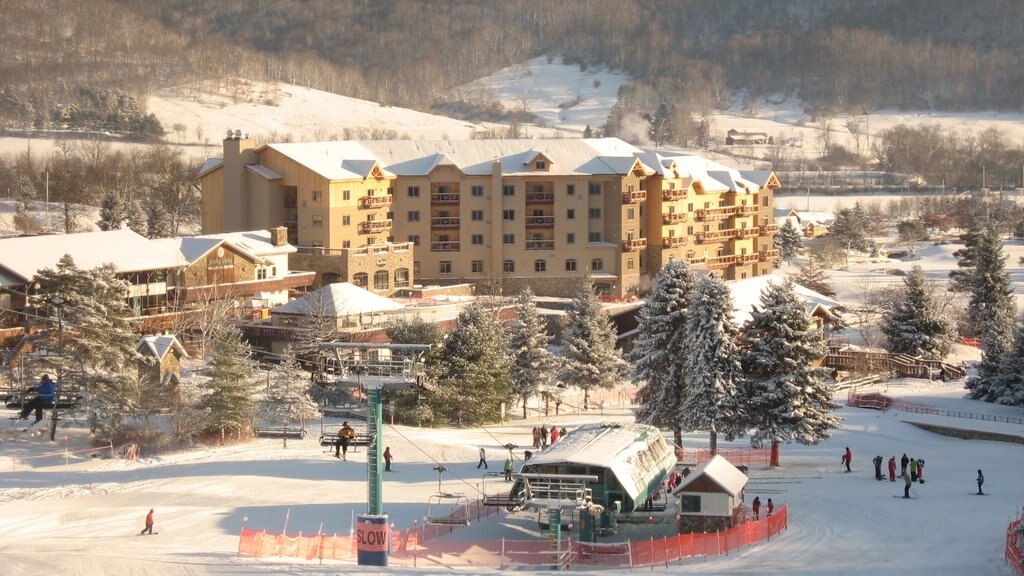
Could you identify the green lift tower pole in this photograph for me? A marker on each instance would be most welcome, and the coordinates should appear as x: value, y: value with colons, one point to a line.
x: 374, y: 481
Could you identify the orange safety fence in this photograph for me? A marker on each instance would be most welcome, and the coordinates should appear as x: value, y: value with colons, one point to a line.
x: 66, y: 454
x: 1015, y: 546
x: 416, y: 547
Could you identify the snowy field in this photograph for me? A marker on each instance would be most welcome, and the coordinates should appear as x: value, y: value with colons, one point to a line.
x: 84, y: 517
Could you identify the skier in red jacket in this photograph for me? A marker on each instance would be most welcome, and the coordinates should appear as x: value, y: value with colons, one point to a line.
x: 847, y: 457
x: 892, y: 469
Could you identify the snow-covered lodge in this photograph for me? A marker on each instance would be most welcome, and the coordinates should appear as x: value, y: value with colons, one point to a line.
x: 386, y: 215
x: 709, y: 497
x: 630, y: 462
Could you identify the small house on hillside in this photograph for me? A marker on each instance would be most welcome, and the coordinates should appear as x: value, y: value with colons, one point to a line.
x: 162, y: 361
x: 709, y: 497
x: 735, y: 137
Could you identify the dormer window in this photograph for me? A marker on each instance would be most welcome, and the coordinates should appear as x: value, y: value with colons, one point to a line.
x: 540, y: 165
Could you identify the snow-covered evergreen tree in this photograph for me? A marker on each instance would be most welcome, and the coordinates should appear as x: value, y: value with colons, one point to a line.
x: 813, y: 276
x: 851, y: 229
x: 1007, y: 387
x: 135, y: 218
x: 713, y: 373
x: 915, y: 322
x: 471, y: 380
x: 233, y: 390
x: 158, y: 223
x: 590, y: 360
x: 112, y: 212
x: 659, y: 355
x: 786, y: 398
x: 533, y: 366
x: 288, y: 401
x: 788, y: 242
x: 406, y: 405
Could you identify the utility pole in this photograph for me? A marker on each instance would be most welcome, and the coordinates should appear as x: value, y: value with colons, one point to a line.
x: 58, y: 303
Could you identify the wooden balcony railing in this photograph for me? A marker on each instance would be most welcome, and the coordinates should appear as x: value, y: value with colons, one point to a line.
x: 634, y: 197
x: 444, y: 198
x: 673, y: 194
x: 447, y: 246
x: 769, y: 229
x: 722, y: 261
x: 634, y: 245
x: 709, y: 214
x: 748, y: 232
x: 372, y: 226
x: 376, y: 201
x: 715, y: 236
x: 540, y: 244
x: 746, y: 210
x: 540, y: 221
x: 445, y: 222
x: 767, y: 255
x: 674, y: 217
x: 673, y: 241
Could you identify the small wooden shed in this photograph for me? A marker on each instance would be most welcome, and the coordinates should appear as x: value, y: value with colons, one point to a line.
x: 709, y: 496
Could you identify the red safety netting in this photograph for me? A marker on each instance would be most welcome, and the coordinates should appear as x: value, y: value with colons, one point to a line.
x: 416, y: 547
x: 1015, y: 546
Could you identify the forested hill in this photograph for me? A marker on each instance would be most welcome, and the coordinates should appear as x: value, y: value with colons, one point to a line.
x: 839, y: 55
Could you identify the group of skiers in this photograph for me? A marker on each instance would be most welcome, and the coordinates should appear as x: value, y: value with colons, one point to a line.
x: 755, y: 507
x: 541, y: 434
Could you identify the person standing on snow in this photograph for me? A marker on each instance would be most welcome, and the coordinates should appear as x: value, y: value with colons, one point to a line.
x: 149, y: 524
x: 981, y: 480
x: 903, y: 465
x: 877, y: 461
x: 756, y: 507
x: 387, y: 459
x: 913, y: 470
x: 847, y: 457
x: 906, y: 485
x: 771, y: 508
x: 920, y: 470
x: 892, y: 469
x: 483, y: 459
x: 543, y: 436
x: 508, y: 469
x: 554, y: 434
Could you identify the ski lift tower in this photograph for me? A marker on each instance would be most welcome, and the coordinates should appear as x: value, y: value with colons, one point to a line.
x: 376, y: 367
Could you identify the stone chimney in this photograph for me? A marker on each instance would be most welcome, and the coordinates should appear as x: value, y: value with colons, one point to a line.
x: 279, y: 236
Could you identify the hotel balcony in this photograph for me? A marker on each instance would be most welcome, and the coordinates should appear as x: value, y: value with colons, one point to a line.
x: 634, y: 245
x: 715, y: 236
x: 544, y: 197
x: 673, y: 241
x: 748, y: 258
x: 674, y: 217
x: 375, y: 201
x: 445, y: 222
x: 673, y: 194
x: 710, y: 214
x: 746, y: 210
x: 373, y: 226
x: 748, y: 232
x: 540, y: 221
x: 767, y: 255
x: 444, y: 198
x: 540, y: 244
x: 719, y: 262
x: 447, y: 246
x: 769, y: 229
x: 634, y: 197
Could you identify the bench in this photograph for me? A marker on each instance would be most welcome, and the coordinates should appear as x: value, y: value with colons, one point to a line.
x: 279, y: 432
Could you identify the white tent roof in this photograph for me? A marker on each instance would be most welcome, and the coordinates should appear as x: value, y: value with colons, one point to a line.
x: 721, y: 472
x: 620, y: 447
x: 341, y: 299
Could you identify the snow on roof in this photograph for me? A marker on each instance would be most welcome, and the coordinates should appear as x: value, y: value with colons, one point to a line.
x: 746, y: 294
x: 263, y: 171
x: 256, y: 244
x: 635, y: 453
x: 340, y: 299
x: 127, y: 251
x: 721, y: 472
x: 816, y: 217
x: 210, y: 165
x: 159, y: 346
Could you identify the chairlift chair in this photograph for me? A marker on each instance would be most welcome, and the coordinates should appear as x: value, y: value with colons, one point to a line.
x: 448, y: 509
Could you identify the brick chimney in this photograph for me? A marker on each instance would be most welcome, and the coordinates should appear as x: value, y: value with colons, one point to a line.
x: 279, y: 236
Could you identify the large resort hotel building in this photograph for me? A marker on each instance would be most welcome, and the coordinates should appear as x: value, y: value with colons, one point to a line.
x: 389, y: 215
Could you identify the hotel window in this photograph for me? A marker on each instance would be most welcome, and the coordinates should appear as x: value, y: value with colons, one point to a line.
x: 630, y: 214
x: 478, y: 266
x: 402, y: 278
x: 413, y: 191
x: 508, y: 215
x: 416, y: 267
x: 540, y: 165
x: 445, y: 267
x: 594, y: 188
x: 318, y: 221
x: 508, y: 266
x: 508, y: 190
x: 570, y: 238
x: 570, y: 214
x: 477, y: 239
x: 477, y: 215
x: 346, y: 244
x: 570, y: 190
x: 414, y: 239
x: 361, y: 279
x: 596, y: 265
x: 345, y: 195
x: 630, y: 264
x: 595, y: 213
x: 593, y: 237
x: 540, y: 266
x: 765, y: 201
x: 317, y: 195
x: 570, y: 265
x: 508, y: 239
x: 477, y: 190
x: 689, y: 207
x: 414, y: 215
x: 346, y: 220
x: 381, y: 280
x: 690, y: 254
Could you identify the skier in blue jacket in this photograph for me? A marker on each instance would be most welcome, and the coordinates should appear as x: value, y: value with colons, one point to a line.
x: 44, y: 398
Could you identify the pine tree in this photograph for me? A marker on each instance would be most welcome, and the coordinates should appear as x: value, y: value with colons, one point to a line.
x: 658, y: 356
x: 590, y: 359
x: 232, y: 391
x: 915, y: 323
x: 135, y: 218
x: 788, y: 242
x: 472, y: 377
x: 288, y: 401
x: 851, y: 229
x: 1007, y: 387
x: 112, y: 212
x: 406, y: 405
x: 813, y: 276
x: 713, y: 373
x: 157, y: 221
x: 533, y: 366
x: 786, y: 398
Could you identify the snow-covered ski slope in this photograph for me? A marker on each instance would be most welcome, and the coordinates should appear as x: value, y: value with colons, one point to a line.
x: 83, y: 518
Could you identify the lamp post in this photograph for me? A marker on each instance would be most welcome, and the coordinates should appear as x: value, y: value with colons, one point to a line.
x: 58, y: 303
